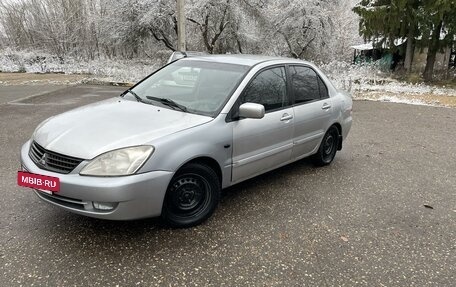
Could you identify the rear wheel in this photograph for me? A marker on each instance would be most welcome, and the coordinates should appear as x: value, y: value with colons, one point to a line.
x: 328, y: 148
x: 192, y: 196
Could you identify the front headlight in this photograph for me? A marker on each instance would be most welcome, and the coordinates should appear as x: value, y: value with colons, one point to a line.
x: 119, y: 162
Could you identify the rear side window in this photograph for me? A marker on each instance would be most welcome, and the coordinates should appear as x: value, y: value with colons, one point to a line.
x: 268, y: 88
x: 307, y: 85
x: 323, y: 89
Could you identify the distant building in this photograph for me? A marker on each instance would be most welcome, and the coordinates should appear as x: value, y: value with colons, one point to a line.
x: 395, y: 60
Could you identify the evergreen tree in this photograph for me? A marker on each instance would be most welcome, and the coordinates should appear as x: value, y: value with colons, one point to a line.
x: 438, y: 29
x: 433, y: 21
x: 388, y: 20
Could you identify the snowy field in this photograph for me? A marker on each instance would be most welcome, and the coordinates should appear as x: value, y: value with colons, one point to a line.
x: 364, y: 82
x: 104, y: 70
x: 368, y: 83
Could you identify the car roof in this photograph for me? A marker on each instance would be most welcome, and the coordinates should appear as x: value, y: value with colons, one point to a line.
x: 240, y: 59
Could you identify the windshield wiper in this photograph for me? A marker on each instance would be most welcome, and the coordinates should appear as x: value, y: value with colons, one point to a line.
x: 169, y: 103
x: 138, y: 98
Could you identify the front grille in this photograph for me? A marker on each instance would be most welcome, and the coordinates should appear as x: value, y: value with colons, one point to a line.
x: 52, y: 161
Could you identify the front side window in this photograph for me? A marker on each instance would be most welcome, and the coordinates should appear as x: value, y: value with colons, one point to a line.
x: 193, y: 86
x: 268, y: 88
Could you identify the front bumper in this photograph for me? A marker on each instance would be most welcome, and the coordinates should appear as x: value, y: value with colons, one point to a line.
x: 133, y: 197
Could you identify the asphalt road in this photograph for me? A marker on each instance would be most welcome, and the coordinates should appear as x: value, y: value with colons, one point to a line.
x: 14, y: 93
x: 361, y: 221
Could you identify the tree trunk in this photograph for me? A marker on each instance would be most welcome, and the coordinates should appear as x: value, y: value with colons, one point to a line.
x: 409, y: 52
x: 239, y: 45
x: 432, y: 53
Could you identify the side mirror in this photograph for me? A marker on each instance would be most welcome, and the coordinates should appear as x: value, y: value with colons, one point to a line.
x: 251, y: 111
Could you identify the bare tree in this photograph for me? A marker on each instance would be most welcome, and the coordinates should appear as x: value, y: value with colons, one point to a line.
x: 301, y: 24
x: 211, y: 19
x: 135, y: 28
x: 160, y: 20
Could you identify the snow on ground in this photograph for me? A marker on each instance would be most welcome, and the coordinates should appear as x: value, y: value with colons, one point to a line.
x: 396, y: 99
x: 406, y: 98
x: 369, y: 78
x: 367, y: 82
x: 406, y: 88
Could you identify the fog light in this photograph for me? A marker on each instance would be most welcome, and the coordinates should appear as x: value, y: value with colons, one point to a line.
x: 103, y: 205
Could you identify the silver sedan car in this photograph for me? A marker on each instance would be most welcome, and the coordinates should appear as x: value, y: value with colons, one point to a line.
x: 170, y: 144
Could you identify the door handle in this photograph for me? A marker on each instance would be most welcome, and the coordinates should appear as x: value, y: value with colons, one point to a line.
x: 326, y: 106
x: 286, y: 117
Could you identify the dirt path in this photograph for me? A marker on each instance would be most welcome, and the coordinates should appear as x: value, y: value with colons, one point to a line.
x: 30, y: 79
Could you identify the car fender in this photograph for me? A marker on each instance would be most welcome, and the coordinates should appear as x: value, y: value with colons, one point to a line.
x: 211, y: 140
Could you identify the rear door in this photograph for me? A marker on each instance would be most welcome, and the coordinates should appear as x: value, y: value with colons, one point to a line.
x: 260, y: 145
x: 312, y: 110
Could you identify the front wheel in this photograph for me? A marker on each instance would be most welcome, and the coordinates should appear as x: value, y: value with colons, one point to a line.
x: 328, y: 148
x: 192, y: 196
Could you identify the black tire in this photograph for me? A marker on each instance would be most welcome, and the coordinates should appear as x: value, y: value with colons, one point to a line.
x: 192, y: 196
x: 328, y: 148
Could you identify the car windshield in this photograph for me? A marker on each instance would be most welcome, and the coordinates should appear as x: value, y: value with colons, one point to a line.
x: 191, y: 86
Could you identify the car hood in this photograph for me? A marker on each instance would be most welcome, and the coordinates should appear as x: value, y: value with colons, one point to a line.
x: 115, y: 123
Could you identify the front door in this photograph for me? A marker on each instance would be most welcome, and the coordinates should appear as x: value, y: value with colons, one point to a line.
x: 263, y: 144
